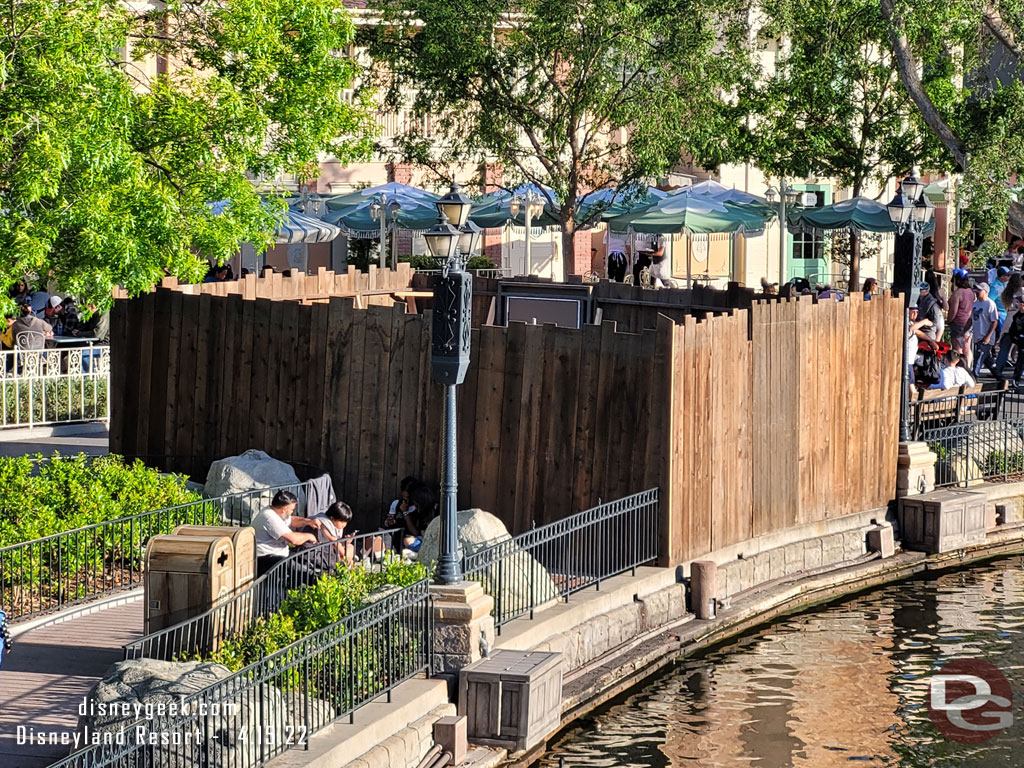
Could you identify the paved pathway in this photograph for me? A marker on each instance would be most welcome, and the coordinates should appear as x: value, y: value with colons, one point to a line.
x: 47, y: 675
x: 69, y: 439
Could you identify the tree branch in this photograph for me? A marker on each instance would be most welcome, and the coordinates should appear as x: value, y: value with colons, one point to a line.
x: 912, y: 82
x: 993, y: 21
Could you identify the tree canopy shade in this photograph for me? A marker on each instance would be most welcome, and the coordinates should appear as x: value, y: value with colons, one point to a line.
x: 831, y: 104
x: 975, y: 109
x: 106, y: 175
x: 570, y: 96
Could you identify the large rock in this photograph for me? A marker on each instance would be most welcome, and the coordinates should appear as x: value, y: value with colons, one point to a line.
x: 253, y: 470
x: 516, y: 583
x: 227, y: 733
x: 984, y: 448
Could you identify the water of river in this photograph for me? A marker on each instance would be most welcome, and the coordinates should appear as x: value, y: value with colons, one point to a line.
x: 847, y: 685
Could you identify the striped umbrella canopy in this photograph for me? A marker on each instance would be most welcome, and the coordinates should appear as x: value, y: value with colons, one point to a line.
x: 861, y: 214
x: 298, y: 228
x: 293, y: 227
x: 696, y: 214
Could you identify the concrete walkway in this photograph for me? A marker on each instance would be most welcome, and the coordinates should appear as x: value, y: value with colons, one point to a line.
x: 50, y: 671
x: 67, y: 439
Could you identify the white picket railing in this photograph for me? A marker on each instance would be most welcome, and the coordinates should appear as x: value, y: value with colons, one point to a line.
x: 54, y: 386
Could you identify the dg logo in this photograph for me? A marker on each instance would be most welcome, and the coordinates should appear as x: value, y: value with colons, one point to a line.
x: 970, y: 701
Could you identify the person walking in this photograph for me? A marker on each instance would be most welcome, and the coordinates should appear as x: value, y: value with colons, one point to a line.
x: 958, y: 317
x: 1013, y: 300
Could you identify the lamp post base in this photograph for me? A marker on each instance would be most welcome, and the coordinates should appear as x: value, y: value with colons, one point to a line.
x: 462, y: 616
x: 915, y: 469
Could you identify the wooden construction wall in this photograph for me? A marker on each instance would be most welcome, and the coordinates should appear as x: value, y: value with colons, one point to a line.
x: 632, y: 308
x: 373, y: 287
x: 798, y: 418
x: 749, y: 422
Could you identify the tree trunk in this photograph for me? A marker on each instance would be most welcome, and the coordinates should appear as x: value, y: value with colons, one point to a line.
x: 912, y: 82
x: 568, y: 241
x: 853, y: 285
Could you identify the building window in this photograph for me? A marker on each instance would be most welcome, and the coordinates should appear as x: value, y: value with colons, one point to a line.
x: 808, y: 245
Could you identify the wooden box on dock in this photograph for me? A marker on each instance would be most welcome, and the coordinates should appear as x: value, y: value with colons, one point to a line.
x: 942, y: 521
x: 512, y: 699
x: 185, y: 576
x: 243, y: 540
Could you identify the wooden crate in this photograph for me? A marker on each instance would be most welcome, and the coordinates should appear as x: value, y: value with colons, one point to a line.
x: 942, y: 521
x: 512, y: 699
x: 185, y: 576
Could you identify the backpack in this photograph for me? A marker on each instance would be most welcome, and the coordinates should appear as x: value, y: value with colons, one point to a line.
x: 1016, y: 329
x: 930, y: 370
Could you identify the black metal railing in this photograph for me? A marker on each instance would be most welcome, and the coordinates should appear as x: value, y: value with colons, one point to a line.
x: 551, y: 562
x: 261, y: 597
x: 57, y: 571
x: 279, y: 702
x: 954, y: 407
x: 976, y: 450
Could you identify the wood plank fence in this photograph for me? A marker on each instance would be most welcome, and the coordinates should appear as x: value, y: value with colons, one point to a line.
x: 751, y: 422
x: 373, y: 287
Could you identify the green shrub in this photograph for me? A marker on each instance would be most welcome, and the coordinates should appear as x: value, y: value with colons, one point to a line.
x: 52, y: 400
x: 39, y: 498
x: 480, y: 262
x: 333, y: 597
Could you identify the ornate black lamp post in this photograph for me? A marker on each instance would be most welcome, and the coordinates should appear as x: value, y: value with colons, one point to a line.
x: 911, y: 212
x: 450, y: 246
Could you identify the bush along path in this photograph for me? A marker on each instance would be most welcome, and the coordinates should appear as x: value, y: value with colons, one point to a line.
x: 76, y: 527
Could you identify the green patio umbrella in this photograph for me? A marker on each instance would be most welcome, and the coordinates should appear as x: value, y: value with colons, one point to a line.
x: 492, y: 210
x: 614, y: 202
x: 401, y: 192
x: 696, y: 214
x: 861, y: 214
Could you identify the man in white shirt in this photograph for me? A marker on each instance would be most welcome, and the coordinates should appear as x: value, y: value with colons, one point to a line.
x: 275, y: 531
x: 953, y: 374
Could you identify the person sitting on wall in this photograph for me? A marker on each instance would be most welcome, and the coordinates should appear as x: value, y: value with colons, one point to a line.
x: 423, y: 507
x: 276, y: 528
x: 400, y: 507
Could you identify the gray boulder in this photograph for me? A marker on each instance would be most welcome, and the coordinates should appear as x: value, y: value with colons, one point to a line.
x: 520, y: 579
x: 251, y: 471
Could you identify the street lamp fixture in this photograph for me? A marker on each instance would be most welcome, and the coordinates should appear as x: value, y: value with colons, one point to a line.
x: 787, y: 196
x: 386, y: 212
x: 532, y: 206
x: 910, y: 212
x: 455, y: 206
x: 450, y: 246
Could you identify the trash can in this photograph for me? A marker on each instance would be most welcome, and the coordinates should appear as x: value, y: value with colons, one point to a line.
x: 185, y: 576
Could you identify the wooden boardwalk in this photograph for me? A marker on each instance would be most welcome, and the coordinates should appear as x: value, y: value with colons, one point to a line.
x: 50, y: 671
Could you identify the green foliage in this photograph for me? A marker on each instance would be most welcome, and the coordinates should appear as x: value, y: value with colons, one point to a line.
x: 41, y: 497
x: 108, y: 168
x: 362, y: 252
x: 480, y: 262
x: 333, y: 597
x: 998, y: 463
x: 830, y: 105
x: 54, y: 400
x: 575, y: 97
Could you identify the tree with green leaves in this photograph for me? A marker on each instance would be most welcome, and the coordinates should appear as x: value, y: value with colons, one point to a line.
x: 830, y: 103
x: 976, y: 109
x: 107, y: 173
x: 575, y: 97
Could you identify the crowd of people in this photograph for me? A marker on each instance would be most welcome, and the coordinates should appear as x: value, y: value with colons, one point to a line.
x: 41, y: 314
x: 327, y: 538
x: 985, y: 325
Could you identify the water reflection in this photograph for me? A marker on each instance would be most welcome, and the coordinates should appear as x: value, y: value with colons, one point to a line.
x: 846, y: 686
